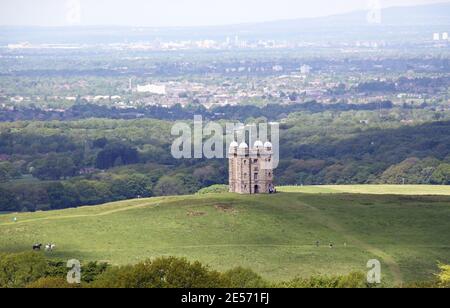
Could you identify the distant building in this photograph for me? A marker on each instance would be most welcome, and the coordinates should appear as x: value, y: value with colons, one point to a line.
x: 436, y: 37
x: 277, y: 68
x: 250, y: 170
x: 152, y: 88
x: 445, y: 36
x: 305, y: 69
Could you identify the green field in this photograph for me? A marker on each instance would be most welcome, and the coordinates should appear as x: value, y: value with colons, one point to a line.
x: 274, y: 235
x: 412, y: 190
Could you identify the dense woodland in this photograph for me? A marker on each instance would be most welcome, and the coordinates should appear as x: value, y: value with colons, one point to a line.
x: 55, y: 165
x: 85, y: 110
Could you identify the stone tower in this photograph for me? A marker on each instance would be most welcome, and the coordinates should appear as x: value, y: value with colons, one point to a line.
x: 251, y: 169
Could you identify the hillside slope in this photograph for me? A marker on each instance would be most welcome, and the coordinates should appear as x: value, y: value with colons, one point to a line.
x: 274, y: 235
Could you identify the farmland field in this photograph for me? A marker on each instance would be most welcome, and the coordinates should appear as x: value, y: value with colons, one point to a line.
x: 274, y: 235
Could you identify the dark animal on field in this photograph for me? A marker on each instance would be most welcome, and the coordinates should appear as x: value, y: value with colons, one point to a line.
x: 37, y: 247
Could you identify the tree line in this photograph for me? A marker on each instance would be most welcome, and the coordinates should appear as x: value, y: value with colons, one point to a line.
x: 34, y: 270
x: 53, y: 165
x: 85, y: 110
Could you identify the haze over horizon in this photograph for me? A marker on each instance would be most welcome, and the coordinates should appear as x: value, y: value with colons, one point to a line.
x: 178, y: 13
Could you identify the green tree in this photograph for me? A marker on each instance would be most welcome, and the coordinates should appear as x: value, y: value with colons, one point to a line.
x: 53, y: 167
x: 129, y: 187
x: 61, y: 196
x: 7, y: 201
x: 92, y: 192
x: 242, y: 278
x: 66, y: 166
x: 19, y: 270
x: 171, y: 185
x: 441, y: 175
x: 7, y: 171
x: 353, y: 280
x: 116, y: 155
x: 161, y: 273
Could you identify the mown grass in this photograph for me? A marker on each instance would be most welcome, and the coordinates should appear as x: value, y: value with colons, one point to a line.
x: 274, y: 235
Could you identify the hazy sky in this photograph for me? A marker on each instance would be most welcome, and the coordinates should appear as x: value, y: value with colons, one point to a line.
x: 175, y: 12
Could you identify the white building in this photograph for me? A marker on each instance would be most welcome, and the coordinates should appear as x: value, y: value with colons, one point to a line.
x: 152, y: 89
x: 277, y: 68
x: 445, y: 36
x: 436, y: 37
x: 305, y: 69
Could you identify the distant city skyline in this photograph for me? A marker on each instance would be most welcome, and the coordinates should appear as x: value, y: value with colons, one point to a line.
x: 177, y: 13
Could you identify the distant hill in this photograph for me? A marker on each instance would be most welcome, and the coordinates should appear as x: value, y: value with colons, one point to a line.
x: 397, y: 22
x: 424, y: 15
x: 416, y: 20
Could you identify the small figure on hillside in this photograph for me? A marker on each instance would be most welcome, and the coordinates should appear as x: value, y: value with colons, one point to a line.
x: 331, y: 245
x: 50, y: 247
x: 15, y: 219
x: 272, y: 189
x: 318, y: 244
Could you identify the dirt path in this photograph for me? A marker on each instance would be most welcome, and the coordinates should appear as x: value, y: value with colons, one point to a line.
x: 154, y: 204
x: 329, y: 222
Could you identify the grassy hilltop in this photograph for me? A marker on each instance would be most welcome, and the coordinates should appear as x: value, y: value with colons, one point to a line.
x: 274, y: 235
x: 408, y: 190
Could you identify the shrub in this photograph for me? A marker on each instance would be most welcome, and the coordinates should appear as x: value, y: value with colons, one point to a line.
x: 353, y: 280
x: 19, y: 270
x: 420, y: 285
x: 242, y: 278
x: 51, y: 283
x: 160, y: 273
x: 90, y: 270
x: 444, y: 276
x: 441, y: 175
x: 214, y: 189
